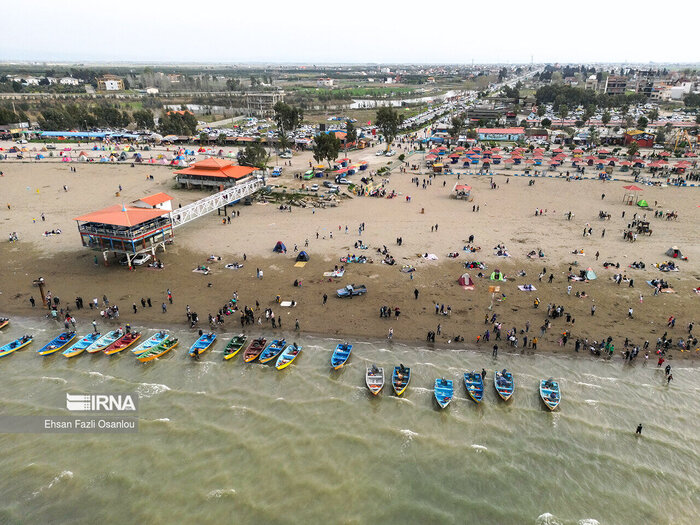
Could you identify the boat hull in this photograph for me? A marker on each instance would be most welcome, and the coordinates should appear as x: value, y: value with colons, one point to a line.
x: 504, y: 392
x: 234, y: 346
x: 122, y: 343
x: 104, y: 341
x: 7, y: 350
x: 203, y: 344
x: 374, y: 381
x: 443, y: 392
x: 149, y: 343
x: 475, y: 387
x: 340, y: 356
x: 157, y: 351
x: 271, y: 351
x: 286, y: 358
x: 57, y: 344
x: 254, y: 349
x: 545, y: 395
x: 400, y: 386
x: 79, y: 347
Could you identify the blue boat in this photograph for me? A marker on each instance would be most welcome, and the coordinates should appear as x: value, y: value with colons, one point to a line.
x: 474, y: 382
x: 272, y: 350
x: 202, y: 344
x: 503, y: 381
x: 340, y: 356
x: 400, y: 378
x: 82, y: 344
x: 550, y: 393
x: 443, y: 392
x: 15, y: 345
x: 290, y: 354
x: 151, y: 342
x: 57, y: 343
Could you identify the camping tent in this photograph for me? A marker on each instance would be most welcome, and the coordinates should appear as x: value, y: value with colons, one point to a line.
x: 674, y: 252
x: 303, y: 256
x: 279, y: 247
x: 497, y: 276
x: 465, y: 281
x: 590, y: 274
x: 642, y: 204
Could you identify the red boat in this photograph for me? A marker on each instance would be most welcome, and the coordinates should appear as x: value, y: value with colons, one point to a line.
x: 122, y: 343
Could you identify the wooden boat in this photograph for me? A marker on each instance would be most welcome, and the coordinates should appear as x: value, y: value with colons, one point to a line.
x: 79, y: 347
x: 474, y: 383
x: 443, y: 391
x: 104, y: 341
x: 503, y: 381
x: 374, y: 379
x: 56, y: 344
x: 272, y: 350
x: 149, y: 343
x: 254, y: 348
x: 15, y: 345
x: 234, y: 346
x: 203, y: 343
x: 550, y: 393
x: 4, y: 321
x: 400, y: 379
x: 287, y: 356
x: 122, y: 343
x: 340, y: 356
x: 156, y: 351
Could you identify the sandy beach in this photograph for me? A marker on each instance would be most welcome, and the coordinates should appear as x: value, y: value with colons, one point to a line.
x: 506, y: 216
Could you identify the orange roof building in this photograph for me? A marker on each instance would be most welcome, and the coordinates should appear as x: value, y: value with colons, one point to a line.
x: 125, y: 229
x: 161, y: 201
x: 217, y: 173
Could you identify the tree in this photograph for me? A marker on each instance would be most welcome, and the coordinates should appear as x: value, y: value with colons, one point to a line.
x: 563, y: 111
x: 178, y: 123
x: 144, y: 119
x: 660, y: 137
x: 629, y: 120
x: 606, y: 118
x: 545, y: 122
x: 326, y: 146
x: 654, y: 115
x: 633, y: 149
x: 642, y: 122
x: 287, y: 117
x: 254, y: 156
x: 541, y: 110
x: 284, y: 142
x: 388, y: 123
x: 692, y: 100
x: 457, y: 126
x: 203, y: 138
x: 350, y: 133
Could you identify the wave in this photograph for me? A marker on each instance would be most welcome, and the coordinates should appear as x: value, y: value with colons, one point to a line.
x: 151, y: 389
x: 66, y: 474
x: 56, y: 379
x: 410, y: 434
x: 220, y: 493
x: 588, y: 521
x: 547, y: 519
x: 479, y: 448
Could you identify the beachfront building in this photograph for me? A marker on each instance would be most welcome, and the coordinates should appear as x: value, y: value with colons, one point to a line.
x: 615, y: 85
x: 214, y: 174
x: 643, y: 139
x: 159, y: 201
x: 126, y: 230
x: 508, y: 134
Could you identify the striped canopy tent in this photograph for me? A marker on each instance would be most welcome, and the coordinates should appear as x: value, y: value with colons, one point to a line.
x: 460, y: 148
x: 665, y: 154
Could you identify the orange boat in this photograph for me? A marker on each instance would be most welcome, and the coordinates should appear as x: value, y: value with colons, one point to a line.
x: 122, y: 343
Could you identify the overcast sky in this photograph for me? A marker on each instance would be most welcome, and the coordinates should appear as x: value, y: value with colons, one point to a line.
x: 315, y: 31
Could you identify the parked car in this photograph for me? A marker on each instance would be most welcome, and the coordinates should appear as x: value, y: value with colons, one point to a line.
x: 141, y: 258
x: 380, y: 153
x: 658, y: 146
x: 352, y: 289
x: 390, y: 153
x: 314, y: 187
x: 286, y: 155
x: 327, y: 184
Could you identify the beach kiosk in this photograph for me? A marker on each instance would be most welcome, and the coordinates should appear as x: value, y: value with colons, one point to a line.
x: 462, y: 191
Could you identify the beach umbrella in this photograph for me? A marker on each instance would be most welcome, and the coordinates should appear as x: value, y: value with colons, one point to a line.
x: 632, y: 187
x: 665, y: 154
x: 529, y: 161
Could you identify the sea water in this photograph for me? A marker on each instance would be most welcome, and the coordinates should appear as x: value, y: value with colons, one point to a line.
x: 229, y: 442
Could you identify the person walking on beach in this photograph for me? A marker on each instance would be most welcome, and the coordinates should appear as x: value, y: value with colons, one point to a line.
x: 669, y: 379
x: 639, y: 429
x: 170, y: 296
x: 32, y: 301
x: 494, y: 353
x: 391, y: 334
x: 296, y: 325
x: 325, y: 298
x: 134, y: 307
x: 568, y: 290
x: 164, y: 307
x: 415, y: 293
x: 94, y: 325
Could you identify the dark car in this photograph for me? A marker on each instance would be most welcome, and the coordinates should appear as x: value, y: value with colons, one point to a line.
x: 352, y: 289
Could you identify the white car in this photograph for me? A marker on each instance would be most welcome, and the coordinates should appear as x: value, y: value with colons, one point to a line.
x: 286, y: 155
x: 379, y: 153
x: 141, y: 258
x: 343, y: 181
x: 314, y: 187
x: 390, y: 153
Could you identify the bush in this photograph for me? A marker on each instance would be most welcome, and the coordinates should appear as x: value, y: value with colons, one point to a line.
x: 402, y: 157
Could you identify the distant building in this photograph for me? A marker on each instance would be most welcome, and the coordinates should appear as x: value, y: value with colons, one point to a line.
x: 151, y: 90
x: 30, y: 81
x: 212, y: 173
x: 592, y: 83
x: 110, y: 83
x: 484, y: 113
x: 615, y: 85
x: 262, y: 104
x: 509, y: 134
x: 324, y: 82
x: 69, y: 81
x: 536, y: 134
x: 642, y: 138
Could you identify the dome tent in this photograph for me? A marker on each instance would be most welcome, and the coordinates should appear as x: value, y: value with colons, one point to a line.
x: 303, y: 256
x: 674, y: 252
x: 279, y: 247
x: 465, y: 281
